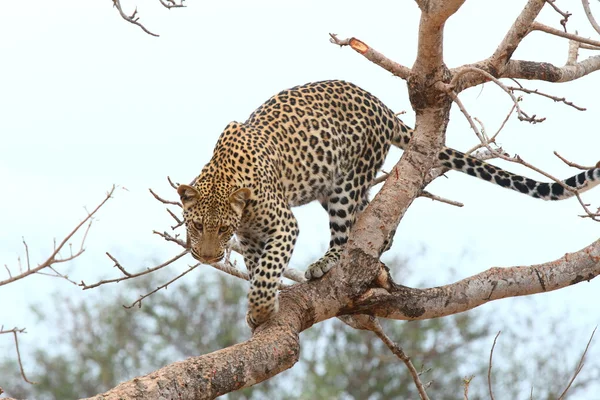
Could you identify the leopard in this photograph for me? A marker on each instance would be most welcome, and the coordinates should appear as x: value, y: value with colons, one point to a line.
x: 323, y: 141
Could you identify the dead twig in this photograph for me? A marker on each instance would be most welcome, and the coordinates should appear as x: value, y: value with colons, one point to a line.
x: 440, y: 199
x: 564, y: 14
x: 15, y: 331
x: 372, y: 55
x: 555, y: 98
x: 129, y: 275
x: 490, y: 367
x: 397, y: 350
x: 536, y: 26
x: 466, y: 383
x: 370, y: 323
x: 157, y: 197
x: 590, y: 16
x: 164, y: 286
x: 133, y: 18
x: 574, y: 165
x: 55, y: 257
x: 170, y: 238
x: 579, y: 366
x: 172, y: 4
x: 463, y: 70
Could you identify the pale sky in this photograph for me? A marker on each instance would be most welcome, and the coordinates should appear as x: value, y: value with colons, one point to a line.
x: 88, y: 100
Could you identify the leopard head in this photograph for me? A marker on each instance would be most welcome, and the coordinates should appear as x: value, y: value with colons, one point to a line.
x: 212, y: 216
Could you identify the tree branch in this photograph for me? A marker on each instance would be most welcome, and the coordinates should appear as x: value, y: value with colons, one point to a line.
x: 536, y: 26
x: 590, y: 16
x: 133, y: 18
x: 399, y: 302
x: 55, y: 258
x: 274, y: 346
x: 372, y: 55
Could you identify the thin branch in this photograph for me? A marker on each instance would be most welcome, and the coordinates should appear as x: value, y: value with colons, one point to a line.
x: 130, y: 275
x: 173, y: 185
x: 372, y: 55
x: 574, y: 165
x: 564, y: 14
x: 579, y: 366
x: 441, y: 199
x: 489, y: 376
x: 536, y: 26
x: 133, y: 18
x: 16, y: 331
x: 170, y: 238
x: 179, y: 221
x: 157, y: 197
x: 370, y: 323
x: 590, y: 16
x: 172, y: 4
x: 164, y: 286
x: 424, y: 193
x: 52, y: 259
x: 466, y: 383
x: 555, y: 98
x: 463, y: 70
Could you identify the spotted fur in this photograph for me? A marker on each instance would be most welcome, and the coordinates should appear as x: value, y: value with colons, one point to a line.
x: 321, y: 141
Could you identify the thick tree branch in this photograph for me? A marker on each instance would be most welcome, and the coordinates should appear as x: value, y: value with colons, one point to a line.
x: 274, y: 346
x: 542, y: 71
x: 496, y: 283
x: 513, y: 37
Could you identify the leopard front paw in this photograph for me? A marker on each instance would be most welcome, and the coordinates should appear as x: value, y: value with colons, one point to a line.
x: 320, y: 267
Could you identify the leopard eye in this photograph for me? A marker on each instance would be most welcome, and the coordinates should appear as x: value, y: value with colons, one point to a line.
x: 199, y: 227
x: 223, y: 229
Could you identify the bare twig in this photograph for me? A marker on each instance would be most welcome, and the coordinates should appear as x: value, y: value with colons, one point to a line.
x: 16, y: 331
x: 574, y: 165
x: 466, y: 383
x: 589, y: 15
x: 164, y: 286
x: 555, y: 98
x: 424, y: 193
x: 172, y: 4
x: 490, y: 367
x: 441, y: 199
x: 370, y: 323
x: 372, y: 55
x: 536, y: 26
x: 133, y: 18
x: 170, y: 238
x: 564, y: 14
x: 179, y: 222
x: 173, y: 185
x: 55, y: 258
x: 157, y: 197
x: 579, y: 366
x: 463, y: 70
x: 130, y: 275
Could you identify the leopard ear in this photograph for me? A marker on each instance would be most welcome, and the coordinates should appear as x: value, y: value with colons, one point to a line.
x: 239, y: 198
x: 188, y: 194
